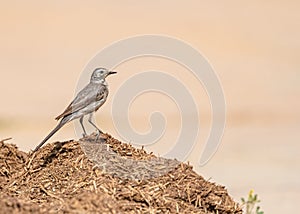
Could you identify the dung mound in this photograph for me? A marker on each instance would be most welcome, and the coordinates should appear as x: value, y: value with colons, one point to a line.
x: 60, y: 178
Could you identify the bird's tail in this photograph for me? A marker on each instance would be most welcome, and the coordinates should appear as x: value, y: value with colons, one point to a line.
x: 62, y: 122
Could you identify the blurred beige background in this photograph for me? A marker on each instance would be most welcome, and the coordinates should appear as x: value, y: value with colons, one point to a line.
x: 253, y: 46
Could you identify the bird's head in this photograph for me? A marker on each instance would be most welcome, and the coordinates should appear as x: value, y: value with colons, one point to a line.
x: 100, y: 74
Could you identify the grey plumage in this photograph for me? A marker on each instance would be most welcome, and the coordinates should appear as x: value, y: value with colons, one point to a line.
x: 87, y: 101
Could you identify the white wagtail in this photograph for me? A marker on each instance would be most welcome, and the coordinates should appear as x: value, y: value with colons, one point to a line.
x: 87, y: 101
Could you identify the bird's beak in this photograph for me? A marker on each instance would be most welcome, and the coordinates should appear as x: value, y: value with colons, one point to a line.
x: 112, y: 72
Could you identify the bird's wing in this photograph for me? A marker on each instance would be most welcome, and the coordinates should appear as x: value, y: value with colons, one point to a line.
x: 89, y: 94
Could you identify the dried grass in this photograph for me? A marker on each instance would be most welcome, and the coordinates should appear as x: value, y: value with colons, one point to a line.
x: 59, y: 178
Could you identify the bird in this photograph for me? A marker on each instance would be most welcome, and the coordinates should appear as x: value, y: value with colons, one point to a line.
x: 86, y: 102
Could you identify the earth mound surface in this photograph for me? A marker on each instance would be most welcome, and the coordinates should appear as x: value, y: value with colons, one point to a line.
x: 59, y: 178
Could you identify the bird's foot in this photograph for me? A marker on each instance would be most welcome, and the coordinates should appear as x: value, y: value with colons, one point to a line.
x: 99, y: 133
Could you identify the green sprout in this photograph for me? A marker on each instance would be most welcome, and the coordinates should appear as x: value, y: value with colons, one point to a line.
x: 251, y: 203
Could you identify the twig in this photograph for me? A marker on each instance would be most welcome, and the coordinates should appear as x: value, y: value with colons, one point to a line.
x: 50, y: 194
x: 5, y: 139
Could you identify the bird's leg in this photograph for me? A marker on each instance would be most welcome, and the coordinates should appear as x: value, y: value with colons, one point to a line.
x: 81, y: 123
x: 91, y: 122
